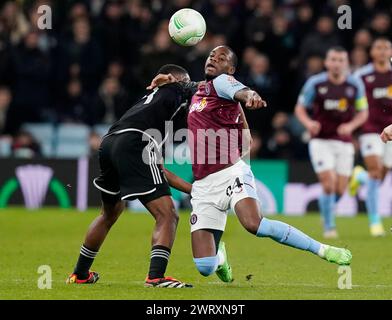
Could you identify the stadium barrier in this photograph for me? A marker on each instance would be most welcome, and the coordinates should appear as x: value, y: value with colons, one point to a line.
x: 284, y: 187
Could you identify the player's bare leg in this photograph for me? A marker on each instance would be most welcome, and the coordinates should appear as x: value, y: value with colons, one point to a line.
x: 166, y: 220
x: 209, y: 254
x: 249, y: 214
x: 95, y: 236
x: 327, y: 200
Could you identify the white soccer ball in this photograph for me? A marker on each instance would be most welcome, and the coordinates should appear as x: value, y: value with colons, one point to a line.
x: 187, y: 27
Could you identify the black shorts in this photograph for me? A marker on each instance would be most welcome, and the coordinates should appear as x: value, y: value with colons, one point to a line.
x: 130, y: 169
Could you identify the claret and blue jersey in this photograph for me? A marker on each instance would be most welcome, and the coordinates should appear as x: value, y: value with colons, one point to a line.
x: 333, y: 104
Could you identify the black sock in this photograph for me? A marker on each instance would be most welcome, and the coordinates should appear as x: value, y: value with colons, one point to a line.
x: 86, y: 259
x: 158, y: 263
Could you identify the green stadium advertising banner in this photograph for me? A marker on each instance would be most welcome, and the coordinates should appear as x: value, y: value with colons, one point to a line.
x: 283, y: 187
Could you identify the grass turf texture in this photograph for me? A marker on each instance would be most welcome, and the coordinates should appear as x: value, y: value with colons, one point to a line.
x: 53, y: 237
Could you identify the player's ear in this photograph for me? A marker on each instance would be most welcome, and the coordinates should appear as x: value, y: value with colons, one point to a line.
x: 231, y: 70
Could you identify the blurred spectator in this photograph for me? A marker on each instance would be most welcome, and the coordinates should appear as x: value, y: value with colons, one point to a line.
x: 81, y: 56
x: 31, y: 88
x: 359, y: 57
x: 260, y: 23
x: 14, y: 23
x: 5, y: 101
x: 363, y: 39
x: 111, y: 102
x: 25, y: 146
x: 319, y: 41
x: 113, y: 26
x: 265, y: 82
x: 157, y: 53
x: 248, y: 56
x: 75, y: 107
x: 381, y: 25
x: 223, y: 21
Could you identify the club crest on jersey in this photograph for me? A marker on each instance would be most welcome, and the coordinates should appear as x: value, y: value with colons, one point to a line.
x: 382, y: 93
x: 350, y: 92
x: 370, y: 79
x: 198, y: 106
x: 207, y: 89
x: 339, y: 105
x: 323, y: 90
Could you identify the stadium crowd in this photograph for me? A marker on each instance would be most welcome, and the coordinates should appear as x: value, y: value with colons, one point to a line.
x: 100, y: 55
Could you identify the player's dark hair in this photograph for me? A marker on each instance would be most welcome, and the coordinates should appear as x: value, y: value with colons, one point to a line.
x: 173, y: 69
x: 234, y: 58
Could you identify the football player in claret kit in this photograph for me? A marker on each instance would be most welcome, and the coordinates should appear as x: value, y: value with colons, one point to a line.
x: 377, y: 78
x: 223, y: 180
x: 339, y: 106
x: 130, y: 170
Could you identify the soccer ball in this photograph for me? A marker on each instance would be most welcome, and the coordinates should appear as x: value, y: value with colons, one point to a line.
x: 187, y: 27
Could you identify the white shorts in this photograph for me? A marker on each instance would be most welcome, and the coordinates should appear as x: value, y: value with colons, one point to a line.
x: 332, y: 155
x: 372, y: 145
x: 214, y: 195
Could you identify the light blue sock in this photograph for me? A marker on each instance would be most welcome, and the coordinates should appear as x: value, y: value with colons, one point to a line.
x: 363, y: 177
x: 327, y: 205
x: 288, y: 235
x: 373, y: 187
x: 206, y: 265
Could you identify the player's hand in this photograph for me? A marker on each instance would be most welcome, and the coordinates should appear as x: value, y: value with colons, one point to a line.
x: 313, y: 127
x: 345, y: 130
x: 254, y: 101
x: 160, y: 80
x: 386, y: 134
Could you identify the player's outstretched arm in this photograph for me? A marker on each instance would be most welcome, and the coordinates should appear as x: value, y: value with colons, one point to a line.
x: 386, y: 135
x: 251, y: 99
x: 177, y: 183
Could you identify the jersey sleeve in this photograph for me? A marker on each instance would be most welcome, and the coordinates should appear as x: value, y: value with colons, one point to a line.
x: 227, y: 86
x: 308, y: 93
x: 361, y: 102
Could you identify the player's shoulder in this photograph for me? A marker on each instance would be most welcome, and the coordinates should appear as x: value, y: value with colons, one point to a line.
x: 224, y: 77
x: 354, y: 80
x: 317, y: 79
x: 364, y: 71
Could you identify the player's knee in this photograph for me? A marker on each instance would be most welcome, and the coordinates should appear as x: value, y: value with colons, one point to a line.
x: 206, y: 265
x: 252, y: 226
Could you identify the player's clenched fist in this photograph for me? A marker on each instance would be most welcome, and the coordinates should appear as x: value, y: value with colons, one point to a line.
x: 313, y: 127
x: 386, y: 135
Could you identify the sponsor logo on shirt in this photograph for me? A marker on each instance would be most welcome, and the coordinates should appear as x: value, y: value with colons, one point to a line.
x: 339, y: 105
x: 198, y: 106
x: 381, y: 93
x: 323, y: 90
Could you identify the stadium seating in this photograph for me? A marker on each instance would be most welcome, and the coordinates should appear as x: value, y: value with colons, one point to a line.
x: 72, y: 141
x: 101, y: 129
x: 44, y: 133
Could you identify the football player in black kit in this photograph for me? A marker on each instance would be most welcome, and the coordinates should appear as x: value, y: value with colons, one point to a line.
x: 129, y: 169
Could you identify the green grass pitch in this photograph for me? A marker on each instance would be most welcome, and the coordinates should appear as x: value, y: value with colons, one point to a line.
x: 53, y: 237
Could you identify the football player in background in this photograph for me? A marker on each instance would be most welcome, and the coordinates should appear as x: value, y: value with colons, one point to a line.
x: 338, y: 105
x: 377, y: 78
